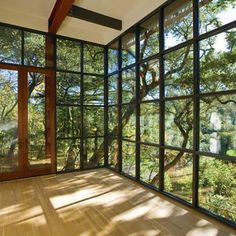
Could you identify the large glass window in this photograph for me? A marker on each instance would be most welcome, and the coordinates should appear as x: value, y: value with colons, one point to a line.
x: 80, y: 105
x: 185, y: 105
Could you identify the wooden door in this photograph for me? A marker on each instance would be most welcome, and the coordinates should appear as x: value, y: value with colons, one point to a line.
x: 26, y: 123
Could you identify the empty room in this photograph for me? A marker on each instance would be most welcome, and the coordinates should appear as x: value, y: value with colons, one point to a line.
x: 118, y: 118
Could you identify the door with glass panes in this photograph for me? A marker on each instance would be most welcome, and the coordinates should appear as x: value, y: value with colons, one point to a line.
x: 25, y: 118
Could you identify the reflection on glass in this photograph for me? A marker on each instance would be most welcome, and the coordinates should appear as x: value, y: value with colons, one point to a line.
x: 68, y: 154
x: 149, y: 37
x: 179, y: 123
x: 178, y: 22
x: 217, y: 186
x: 68, y: 55
x: 128, y: 158
x: 218, y: 62
x: 34, y: 49
x: 112, y: 90
x: 68, y: 88
x: 93, y: 152
x: 179, y: 72
x: 149, y: 164
x: 68, y: 121
x: 93, y: 121
x: 149, y: 80
x: 8, y: 121
x: 128, y: 85
x: 128, y: 49
x: 178, y: 174
x: 113, y: 153
x: 36, y: 120
x: 113, y: 57
x: 215, y: 13
x: 149, y: 122
x: 10, y: 44
x: 113, y: 121
x: 93, y: 59
x: 128, y: 121
x: 93, y: 90
x: 217, y: 125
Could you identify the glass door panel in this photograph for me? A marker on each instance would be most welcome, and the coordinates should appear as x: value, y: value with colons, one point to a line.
x: 36, y: 121
x: 9, y: 160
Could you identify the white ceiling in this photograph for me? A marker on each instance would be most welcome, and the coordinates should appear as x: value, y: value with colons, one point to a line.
x: 34, y: 14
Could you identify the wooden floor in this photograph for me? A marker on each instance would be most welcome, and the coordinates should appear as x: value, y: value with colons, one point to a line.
x: 97, y: 202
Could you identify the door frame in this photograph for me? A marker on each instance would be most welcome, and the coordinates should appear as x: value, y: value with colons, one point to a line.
x: 50, y: 123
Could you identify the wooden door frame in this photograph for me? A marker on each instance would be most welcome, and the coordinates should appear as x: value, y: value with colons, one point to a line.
x: 50, y: 127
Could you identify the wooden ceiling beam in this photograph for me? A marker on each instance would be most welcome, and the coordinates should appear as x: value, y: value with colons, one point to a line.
x: 94, y: 17
x: 58, y: 14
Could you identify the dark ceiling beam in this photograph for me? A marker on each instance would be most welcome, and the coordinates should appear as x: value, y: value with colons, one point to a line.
x: 94, y: 17
x: 59, y: 13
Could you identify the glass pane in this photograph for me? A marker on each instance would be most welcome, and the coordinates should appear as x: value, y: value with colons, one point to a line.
x: 113, y: 153
x: 179, y: 72
x: 178, y: 174
x: 128, y: 158
x: 36, y: 120
x: 149, y: 37
x: 149, y: 164
x: 217, y: 186
x: 68, y: 88
x: 93, y: 59
x: 113, y: 57
x: 68, y: 154
x: 93, y: 121
x: 34, y: 49
x: 128, y: 121
x: 128, y: 85
x: 93, y: 90
x: 68, y: 55
x: 112, y: 90
x: 215, y: 13
x: 113, y: 121
x: 10, y: 44
x: 179, y: 123
x: 8, y: 121
x: 217, y: 124
x: 149, y: 81
x: 149, y: 122
x: 128, y: 49
x: 68, y: 121
x: 93, y: 152
x: 218, y: 62
x: 178, y: 22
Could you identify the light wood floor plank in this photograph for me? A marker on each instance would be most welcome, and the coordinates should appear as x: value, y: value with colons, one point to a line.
x: 95, y: 203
